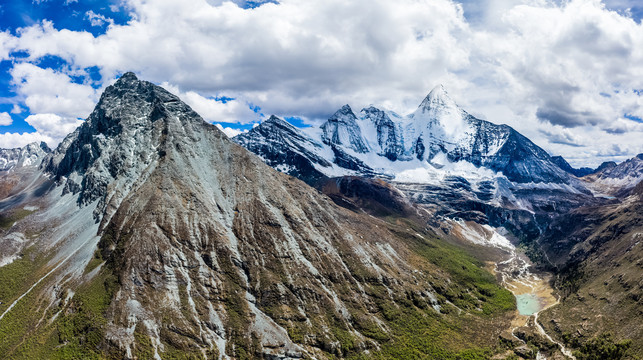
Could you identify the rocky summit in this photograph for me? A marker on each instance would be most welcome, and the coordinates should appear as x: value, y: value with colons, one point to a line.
x: 147, y: 233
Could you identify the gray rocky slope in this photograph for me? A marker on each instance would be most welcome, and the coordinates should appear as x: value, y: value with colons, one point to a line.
x: 195, y: 245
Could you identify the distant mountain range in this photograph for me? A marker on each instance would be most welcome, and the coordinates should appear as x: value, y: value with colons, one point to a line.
x: 438, y: 135
x: 617, y: 179
x: 147, y: 233
x: 29, y: 155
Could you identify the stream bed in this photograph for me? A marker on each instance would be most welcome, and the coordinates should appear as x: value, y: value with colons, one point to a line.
x: 515, y: 272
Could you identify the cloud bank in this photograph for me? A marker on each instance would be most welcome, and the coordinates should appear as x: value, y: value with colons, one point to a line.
x: 561, y: 73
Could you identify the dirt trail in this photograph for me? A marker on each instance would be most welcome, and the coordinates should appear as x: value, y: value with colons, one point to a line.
x: 38, y: 282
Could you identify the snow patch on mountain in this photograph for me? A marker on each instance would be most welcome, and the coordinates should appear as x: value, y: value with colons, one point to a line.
x: 482, y: 234
x: 612, y: 180
x: 29, y: 155
x: 437, y: 135
x: 435, y: 172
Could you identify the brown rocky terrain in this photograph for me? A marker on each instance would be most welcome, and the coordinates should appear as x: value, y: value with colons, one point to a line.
x: 601, y: 274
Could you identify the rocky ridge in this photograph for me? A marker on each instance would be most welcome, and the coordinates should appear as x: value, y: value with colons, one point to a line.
x: 165, y: 237
x: 617, y: 179
x: 29, y: 155
x: 437, y: 134
x: 563, y: 164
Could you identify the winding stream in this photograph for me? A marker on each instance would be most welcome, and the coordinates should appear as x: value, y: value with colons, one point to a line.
x: 533, y: 295
x: 532, y: 291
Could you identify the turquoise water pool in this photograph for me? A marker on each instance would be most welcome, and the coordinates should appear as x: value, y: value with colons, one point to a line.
x: 528, y: 304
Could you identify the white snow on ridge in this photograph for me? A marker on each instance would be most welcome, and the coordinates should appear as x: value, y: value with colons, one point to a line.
x: 423, y: 172
x: 438, y: 123
x: 482, y: 234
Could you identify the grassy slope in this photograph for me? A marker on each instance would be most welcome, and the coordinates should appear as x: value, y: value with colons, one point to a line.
x: 415, y: 330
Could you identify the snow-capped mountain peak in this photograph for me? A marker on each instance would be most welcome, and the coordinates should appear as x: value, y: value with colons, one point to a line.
x: 437, y: 97
x: 441, y: 114
x: 378, y: 142
x: 28, y: 155
x: 274, y: 119
x: 342, y: 129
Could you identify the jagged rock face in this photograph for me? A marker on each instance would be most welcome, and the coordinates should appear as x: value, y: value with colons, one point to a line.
x: 632, y: 168
x: 389, y: 136
x: 286, y: 148
x: 438, y: 132
x: 291, y: 151
x: 29, y: 155
x: 605, y: 166
x: 617, y: 179
x: 341, y: 130
x: 518, y: 158
x: 109, y: 153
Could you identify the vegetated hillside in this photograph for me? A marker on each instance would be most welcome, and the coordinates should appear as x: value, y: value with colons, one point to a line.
x: 162, y: 238
x: 601, y: 277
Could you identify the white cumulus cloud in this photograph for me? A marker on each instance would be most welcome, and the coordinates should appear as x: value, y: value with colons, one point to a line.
x: 230, y: 132
x: 98, y: 19
x: 48, y: 91
x: 213, y: 110
x: 15, y: 140
x: 563, y: 73
x: 52, y: 125
x: 5, y: 119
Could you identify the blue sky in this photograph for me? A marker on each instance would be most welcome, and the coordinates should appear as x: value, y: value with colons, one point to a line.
x: 64, y: 14
x: 565, y: 73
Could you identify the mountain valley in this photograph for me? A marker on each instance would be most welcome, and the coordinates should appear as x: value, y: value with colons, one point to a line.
x: 148, y: 233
